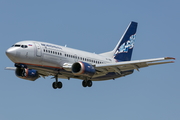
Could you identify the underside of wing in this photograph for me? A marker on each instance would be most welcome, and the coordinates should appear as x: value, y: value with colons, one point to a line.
x: 130, y: 65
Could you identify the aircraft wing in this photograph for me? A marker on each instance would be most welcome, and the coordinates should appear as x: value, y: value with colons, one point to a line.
x: 10, y: 68
x: 131, y: 65
x: 14, y: 68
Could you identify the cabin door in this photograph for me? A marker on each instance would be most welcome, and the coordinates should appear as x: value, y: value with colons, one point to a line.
x: 38, y: 50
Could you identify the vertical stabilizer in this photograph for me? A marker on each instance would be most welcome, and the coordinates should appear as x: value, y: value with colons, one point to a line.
x: 124, y: 48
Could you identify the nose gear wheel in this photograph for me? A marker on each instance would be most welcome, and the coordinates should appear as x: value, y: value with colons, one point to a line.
x: 57, y: 84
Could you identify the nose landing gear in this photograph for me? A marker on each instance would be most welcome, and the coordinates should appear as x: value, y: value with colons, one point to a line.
x: 57, y: 84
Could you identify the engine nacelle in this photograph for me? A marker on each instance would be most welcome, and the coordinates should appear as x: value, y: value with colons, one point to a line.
x: 82, y: 68
x: 27, y: 74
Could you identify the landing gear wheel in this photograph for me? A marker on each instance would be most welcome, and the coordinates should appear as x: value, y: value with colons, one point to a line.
x: 59, y: 85
x: 54, y: 85
x: 84, y: 83
x: 89, y: 83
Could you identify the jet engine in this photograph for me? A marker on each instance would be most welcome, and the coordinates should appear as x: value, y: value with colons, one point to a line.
x: 27, y: 74
x: 82, y: 68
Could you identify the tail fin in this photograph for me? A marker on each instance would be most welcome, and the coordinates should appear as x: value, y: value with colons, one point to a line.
x: 124, y: 48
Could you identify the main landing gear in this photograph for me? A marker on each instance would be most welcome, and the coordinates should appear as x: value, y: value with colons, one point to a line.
x: 86, y: 83
x: 57, y: 84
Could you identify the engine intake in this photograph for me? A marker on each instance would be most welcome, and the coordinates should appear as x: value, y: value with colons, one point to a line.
x: 82, y: 68
x: 27, y: 74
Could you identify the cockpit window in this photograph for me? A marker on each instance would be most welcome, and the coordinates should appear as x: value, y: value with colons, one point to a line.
x: 24, y: 46
x: 17, y: 45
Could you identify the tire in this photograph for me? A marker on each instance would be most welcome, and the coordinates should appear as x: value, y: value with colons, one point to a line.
x: 84, y: 83
x: 89, y: 83
x: 54, y: 85
x: 59, y: 85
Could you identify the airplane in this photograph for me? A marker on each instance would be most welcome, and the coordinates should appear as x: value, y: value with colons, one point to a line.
x: 34, y: 59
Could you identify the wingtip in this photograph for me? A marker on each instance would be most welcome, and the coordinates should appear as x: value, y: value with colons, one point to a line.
x: 168, y: 58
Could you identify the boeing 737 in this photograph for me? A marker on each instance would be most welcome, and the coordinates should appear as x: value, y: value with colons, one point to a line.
x: 34, y: 59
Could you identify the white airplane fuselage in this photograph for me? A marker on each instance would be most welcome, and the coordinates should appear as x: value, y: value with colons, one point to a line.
x: 52, y: 58
x: 46, y: 54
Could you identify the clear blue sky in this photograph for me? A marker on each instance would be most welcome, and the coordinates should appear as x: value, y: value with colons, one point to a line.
x: 94, y: 26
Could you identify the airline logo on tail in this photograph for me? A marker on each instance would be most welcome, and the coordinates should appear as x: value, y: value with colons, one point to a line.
x: 126, y: 45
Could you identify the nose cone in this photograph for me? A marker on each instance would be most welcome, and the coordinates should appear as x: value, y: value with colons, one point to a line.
x: 11, y: 53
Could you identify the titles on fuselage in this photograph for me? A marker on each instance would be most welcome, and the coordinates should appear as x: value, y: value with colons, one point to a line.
x: 52, y: 46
